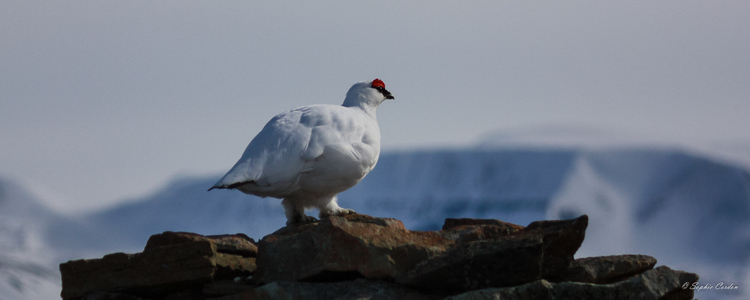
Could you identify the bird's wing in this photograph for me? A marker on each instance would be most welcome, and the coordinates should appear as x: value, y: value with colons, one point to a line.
x: 350, y: 132
x: 291, y: 144
x: 273, y: 158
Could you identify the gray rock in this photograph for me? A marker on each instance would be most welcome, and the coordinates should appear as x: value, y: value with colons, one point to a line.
x: 356, y: 289
x: 110, y: 296
x: 607, y: 269
x: 661, y: 283
x: 537, y: 290
x: 226, y: 287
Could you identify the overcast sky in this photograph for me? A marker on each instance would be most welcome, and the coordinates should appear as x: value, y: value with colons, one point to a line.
x: 102, y: 101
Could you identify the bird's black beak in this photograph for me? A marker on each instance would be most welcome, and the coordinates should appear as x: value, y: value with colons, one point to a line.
x: 386, y: 93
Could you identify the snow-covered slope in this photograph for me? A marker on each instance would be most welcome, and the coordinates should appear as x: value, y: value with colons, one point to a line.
x: 27, y: 264
x: 424, y: 187
x: 34, y: 240
x: 185, y: 205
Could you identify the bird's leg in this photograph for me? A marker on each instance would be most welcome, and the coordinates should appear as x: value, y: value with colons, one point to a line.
x: 295, y: 213
x: 331, y: 208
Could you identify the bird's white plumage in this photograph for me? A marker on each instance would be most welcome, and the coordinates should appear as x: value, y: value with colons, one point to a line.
x: 310, y: 154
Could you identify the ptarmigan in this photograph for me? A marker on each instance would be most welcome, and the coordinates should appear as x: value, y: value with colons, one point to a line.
x: 307, y: 155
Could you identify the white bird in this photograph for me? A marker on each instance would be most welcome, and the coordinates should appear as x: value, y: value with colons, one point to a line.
x: 307, y: 155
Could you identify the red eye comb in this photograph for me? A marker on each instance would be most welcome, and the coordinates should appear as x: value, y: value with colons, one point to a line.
x: 377, y: 83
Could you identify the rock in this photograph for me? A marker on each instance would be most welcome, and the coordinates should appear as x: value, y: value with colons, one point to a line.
x: 362, y: 257
x: 110, y: 296
x: 341, y: 247
x: 561, y: 240
x: 660, y: 283
x: 356, y: 245
x: 163, y: 267
x: 537, y: 290
x: 452, y: 223
x: 541, y: 250
x: 226, y: 287
x: 468, y: 230
x: 238, y: 244
x: 607, y: 269
x: 355, y: 289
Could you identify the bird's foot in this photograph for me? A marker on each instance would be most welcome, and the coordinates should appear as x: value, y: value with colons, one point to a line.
x: 301, y: 219
x: 338, y: 212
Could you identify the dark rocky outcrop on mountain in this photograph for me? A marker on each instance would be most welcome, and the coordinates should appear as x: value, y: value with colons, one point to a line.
x: 362, y: 257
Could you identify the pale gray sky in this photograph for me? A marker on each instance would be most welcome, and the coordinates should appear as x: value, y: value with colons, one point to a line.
x: 101, y: 101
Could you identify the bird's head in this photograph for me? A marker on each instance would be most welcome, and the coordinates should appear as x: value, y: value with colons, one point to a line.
x: 367, y: 94
x: 379, y: 86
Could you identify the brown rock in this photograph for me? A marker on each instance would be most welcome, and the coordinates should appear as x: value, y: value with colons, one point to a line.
x: 607, y: 269
x: 661, y: 283
x: 343, y: 258
x: 344, y: 247
x: 541, y: 250
x: 468, y: 230
x: 451, y: 223
x: 162, y: 268
x: 238, y: 244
